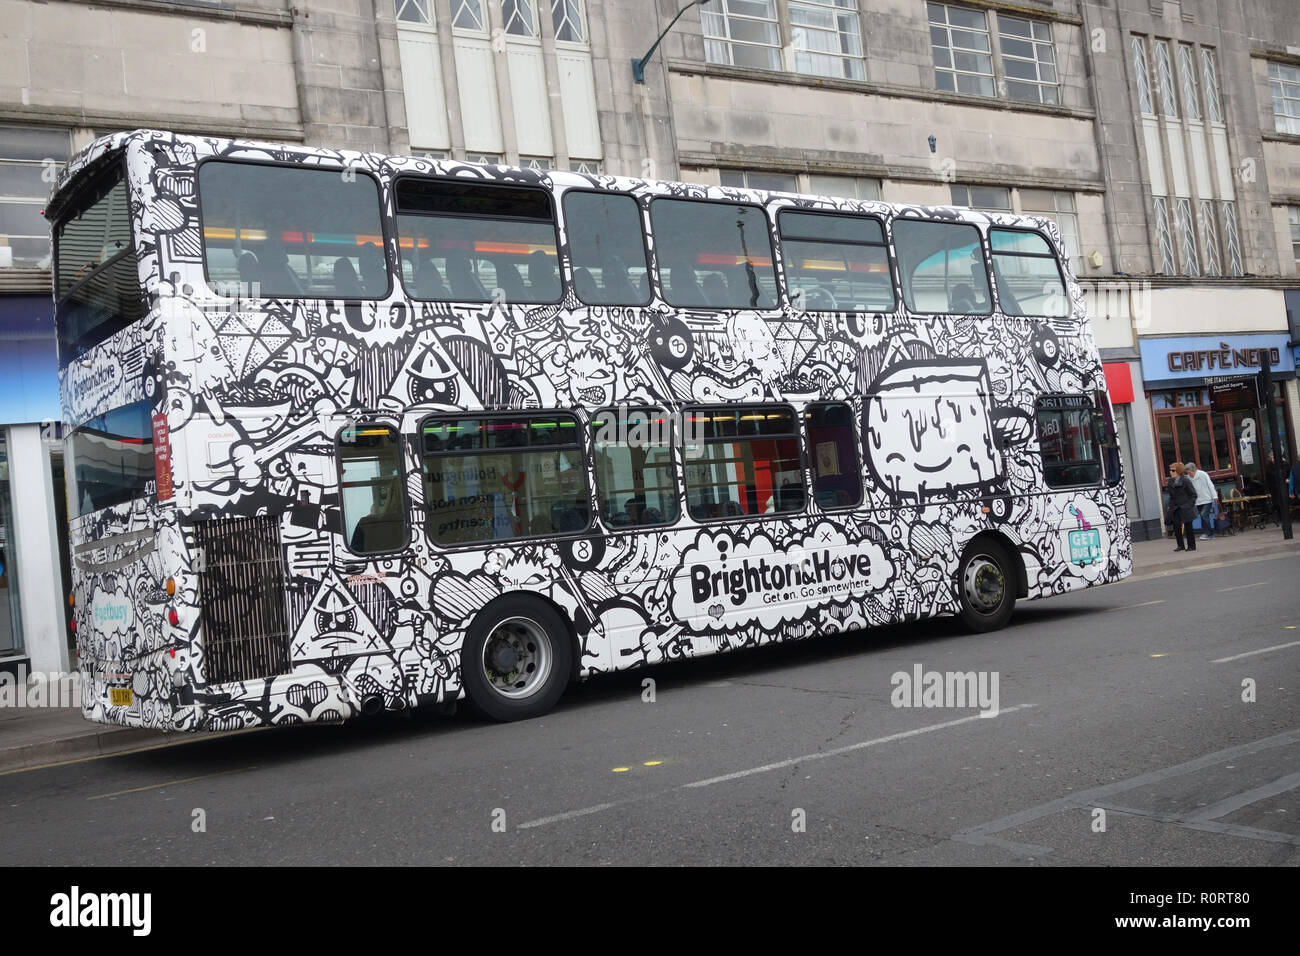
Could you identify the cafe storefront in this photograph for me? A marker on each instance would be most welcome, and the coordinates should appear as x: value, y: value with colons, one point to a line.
x: 1206, y: 406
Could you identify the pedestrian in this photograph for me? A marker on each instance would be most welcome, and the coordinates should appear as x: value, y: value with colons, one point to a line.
x: 1182, y: 506
x: 1207, y: 499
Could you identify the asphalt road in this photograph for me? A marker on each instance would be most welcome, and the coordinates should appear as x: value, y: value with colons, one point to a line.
x: 1122, y: 738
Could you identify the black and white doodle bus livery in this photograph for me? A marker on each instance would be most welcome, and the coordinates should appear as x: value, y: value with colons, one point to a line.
x: 351, y: 432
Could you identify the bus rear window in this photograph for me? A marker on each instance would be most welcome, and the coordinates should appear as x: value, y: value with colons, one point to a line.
x: 97, y: 281
x: 111, y: 459
x: 1070, y: 449
x: 292, y: 232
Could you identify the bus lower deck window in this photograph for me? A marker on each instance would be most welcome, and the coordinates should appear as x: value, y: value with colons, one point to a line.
x: 370, y: 482
x: 742, y: 462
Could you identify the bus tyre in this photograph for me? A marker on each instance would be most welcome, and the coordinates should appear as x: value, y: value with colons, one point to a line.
x: 986, y: 586
x: 516, y: 660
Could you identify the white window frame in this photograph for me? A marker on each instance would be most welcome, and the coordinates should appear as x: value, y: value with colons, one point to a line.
x: 1284, y: 84
x: 802, y: 59
x: 718, y: 12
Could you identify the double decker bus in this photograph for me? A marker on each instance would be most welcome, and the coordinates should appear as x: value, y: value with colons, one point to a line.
x: 350, y: 433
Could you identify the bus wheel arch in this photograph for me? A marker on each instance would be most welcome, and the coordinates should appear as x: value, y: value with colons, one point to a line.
x: 518, y: 657
x: 990, y: 576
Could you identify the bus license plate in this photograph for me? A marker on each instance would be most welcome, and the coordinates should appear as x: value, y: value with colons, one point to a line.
x: 120, y: 696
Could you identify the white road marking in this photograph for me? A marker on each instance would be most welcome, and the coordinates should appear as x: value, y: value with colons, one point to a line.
x: 1257, y: 584
x: 1262, y: 650
x: 838, y: 751
x: 1129, y: 607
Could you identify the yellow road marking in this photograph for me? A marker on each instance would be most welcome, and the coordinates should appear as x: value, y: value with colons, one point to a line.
x: 622, y: 769
x: 170, y: 783
x: 1160, y: 655
x: 653, y: 763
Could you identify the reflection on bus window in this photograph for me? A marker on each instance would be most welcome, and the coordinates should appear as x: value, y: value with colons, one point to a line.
x: 745, y: 462
x: 1070, y: 450
x: 634, y: 467
x: 941, y: 265
x: 713, y: 255
x: 835, y: 263
x: 292, y: 231
x: 503, y: 477
x: 111, y: 459
x: 1028, y: 277
x: 607, y: 249
x: 370, y: 475
x: 461, y: 242
x: 833, y: 450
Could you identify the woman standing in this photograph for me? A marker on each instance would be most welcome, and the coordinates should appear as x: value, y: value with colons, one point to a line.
x: 1182, y: 506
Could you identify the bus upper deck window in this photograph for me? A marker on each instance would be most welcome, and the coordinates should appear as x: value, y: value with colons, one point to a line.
x: 477, y: 242
x: 835, y: 262
x: 292, y: 232
x: 713, y: 255
x: 942, y: 267
x: 606, y: 248
x: 1027, y: 274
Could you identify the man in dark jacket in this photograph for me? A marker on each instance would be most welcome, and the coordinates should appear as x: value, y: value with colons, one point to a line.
x: 1182, y: 506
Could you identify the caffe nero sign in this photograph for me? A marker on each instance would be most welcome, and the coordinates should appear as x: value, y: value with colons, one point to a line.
x: 1200, y: 359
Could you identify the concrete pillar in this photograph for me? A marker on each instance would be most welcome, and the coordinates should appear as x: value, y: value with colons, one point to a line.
x: 35, y: 543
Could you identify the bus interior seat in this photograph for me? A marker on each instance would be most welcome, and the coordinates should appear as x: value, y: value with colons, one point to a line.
x: 511, y: 282
x: 277, y: 275
x: 789, y: 497
x: 715, y: 290
x: 428, y: 281
x: 542, y: 277
x: 1007, y: 298
x: 464, y: 284
x: 374, y: 271
x: 643, y: 283
x: 618, y: 287
x: 684, y: 287
x: 346, y: 283
x: 250, y: 270
x: 585, y: 285
x: 731, y: 509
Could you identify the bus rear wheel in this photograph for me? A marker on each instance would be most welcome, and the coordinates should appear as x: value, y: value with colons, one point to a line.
x: 516, y: 660
x: 986, y: 586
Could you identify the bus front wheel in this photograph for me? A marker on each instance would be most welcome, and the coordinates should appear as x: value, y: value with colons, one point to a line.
x: 516, y: 660
x: 986, y: 585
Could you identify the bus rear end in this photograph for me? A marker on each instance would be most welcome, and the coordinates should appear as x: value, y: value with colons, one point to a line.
x: 127, y: 552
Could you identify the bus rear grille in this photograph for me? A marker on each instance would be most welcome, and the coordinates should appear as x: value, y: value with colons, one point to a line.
x: 242, y: 592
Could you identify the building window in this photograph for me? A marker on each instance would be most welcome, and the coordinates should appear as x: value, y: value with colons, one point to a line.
x: 1163, y: 236
x: 1293, y: 216
x: 538, y: 163
x: 845, y: 187
x: 29, y: 161
x: 1230, y: 238
x: 742, y: 33
x: 1284, y: 83
x: 486, y: 159
x: 570, y: 26
x: 468, y: 15
x: 1187, y: 237
x: 1210, y: 236
x: 589, y: 167
x: 992, y: 198
x: 1028, y: 59
x: 520, y: 17
x: 825, y: 38
x: 1187, y: 72
x: 11, y: 631
x: 414, y: 11
x: 1143, y: 74
x: 1210, y: 77
x: 1058, y: 206
x: 1165, y: 72
x: 963, y: 59
x: 744, y: 179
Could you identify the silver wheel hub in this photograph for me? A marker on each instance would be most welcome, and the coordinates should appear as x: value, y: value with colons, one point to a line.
x: 517, y: 657
x: 984, y: 585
